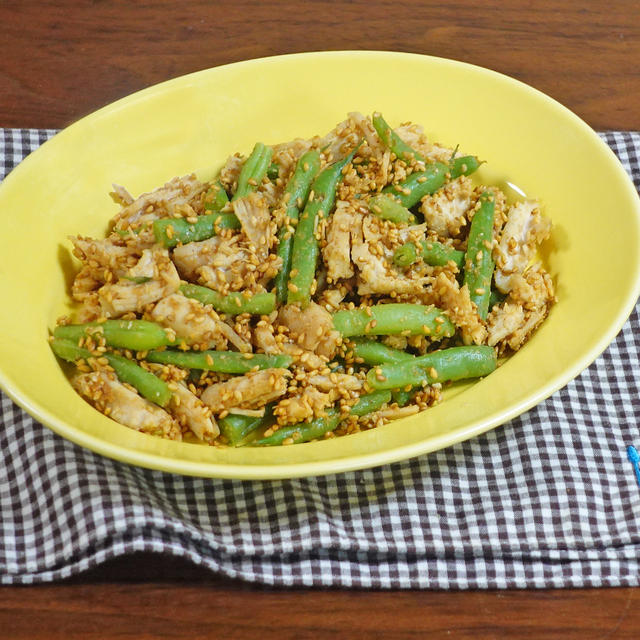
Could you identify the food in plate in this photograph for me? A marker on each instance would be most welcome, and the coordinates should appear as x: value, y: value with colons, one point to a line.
x: 312, y: 289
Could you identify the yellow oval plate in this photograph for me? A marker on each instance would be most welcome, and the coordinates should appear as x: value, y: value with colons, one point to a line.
x: 194, y: 122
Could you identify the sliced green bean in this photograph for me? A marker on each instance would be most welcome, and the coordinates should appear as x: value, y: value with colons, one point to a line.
x: 464, y: 165
x: 388, y: 208
x: 295, y: 198
x: 496, y: 297
x: 372, y: 352
x: 216, y: 198
x: 273, y: 171
x: 232, y: 303
x: 433, y: 253
x: 304, y: 254
x: 479, y: 266
x: 393, y: 141
x: 406, y: 255
x: 68, y: 350
x: 171, y: 231
x: 235, y: 427
x: 149, y: 386
x: 137, y: 335
x: 370, y: 402
x: 393, y: 319
x: 456, y: 363
x: 220, y: 361
x: 303, y: 431
x: 419, y: 184
x: 123, y: 233
x: 253, y: 170
x: 402, y: 397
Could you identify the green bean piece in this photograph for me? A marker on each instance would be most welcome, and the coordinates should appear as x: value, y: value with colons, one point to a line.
x: 388, y: 208
x: 273, y: 171
x: 422, y: 183
x: 171, y: 231
x: 149, y: 386
x: 253, y: 170
x: 235, y: 427
x: 478, y: 270
x: 402, y: 397
x: 496, y: 297
x: 392, y: 140
x: 68, y: 350
x: 405, y: 255
x: 295, y: 198
x: 392, y: 319
x: 123, y: 233
x: 220, y: 361
x: 464, y: 165
x: 370, y: 402
x: 304, y: 254
x: 137, y: 279
x: 303, y: 431
x: 433, y: 253
x: 455, y: 363
x: 419, y: 184
x: 137, y: 335
x: 372, y: 352
x: 216, y: 198
x: 234, y: 303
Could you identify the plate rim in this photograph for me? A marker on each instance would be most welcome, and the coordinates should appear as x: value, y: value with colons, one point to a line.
x: 354, y: 462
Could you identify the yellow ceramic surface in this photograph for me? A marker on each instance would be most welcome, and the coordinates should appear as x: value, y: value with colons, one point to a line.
x: 195, y: 122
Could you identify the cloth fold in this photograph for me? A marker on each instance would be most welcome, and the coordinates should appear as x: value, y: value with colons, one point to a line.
x: 547, y: 500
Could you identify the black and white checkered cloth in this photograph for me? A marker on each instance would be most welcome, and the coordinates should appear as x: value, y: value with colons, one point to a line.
x: 548, y: 500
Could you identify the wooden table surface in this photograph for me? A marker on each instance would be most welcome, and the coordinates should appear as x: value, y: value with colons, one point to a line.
x: 62, y: 60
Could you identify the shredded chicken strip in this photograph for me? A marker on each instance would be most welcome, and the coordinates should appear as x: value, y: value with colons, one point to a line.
x: 445, y: 212
x: 196, y: 323
x: 343, y: 138
x: 527, y: 305
x: 189, y: 257
x: 254, y: 389
x: 286, y: 155
x: 337, y: 250
x: 126, y: 295
x: 311, y: 328
x: 456, y: 301
x: 265, y: 340
x: 255, y: 218
x: 226, y: 264
x: 413, y: 135
x: 376, y: 273
x: 231, y: 170
x: 524, y: 230
x: 114, y: 255
x: 109, y: 396
x: 305, y: 406
x: 336, y: 381
x: 176, y: 198
x: 189, y: 410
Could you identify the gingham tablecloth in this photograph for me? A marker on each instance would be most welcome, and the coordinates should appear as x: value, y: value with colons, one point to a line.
x: 547, y: 500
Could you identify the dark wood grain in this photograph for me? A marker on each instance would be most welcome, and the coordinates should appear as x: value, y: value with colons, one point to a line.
x: 61, y: 60
x: 153, y: 597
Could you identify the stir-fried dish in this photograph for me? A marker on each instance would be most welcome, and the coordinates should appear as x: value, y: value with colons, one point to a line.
x: 315, y: 288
